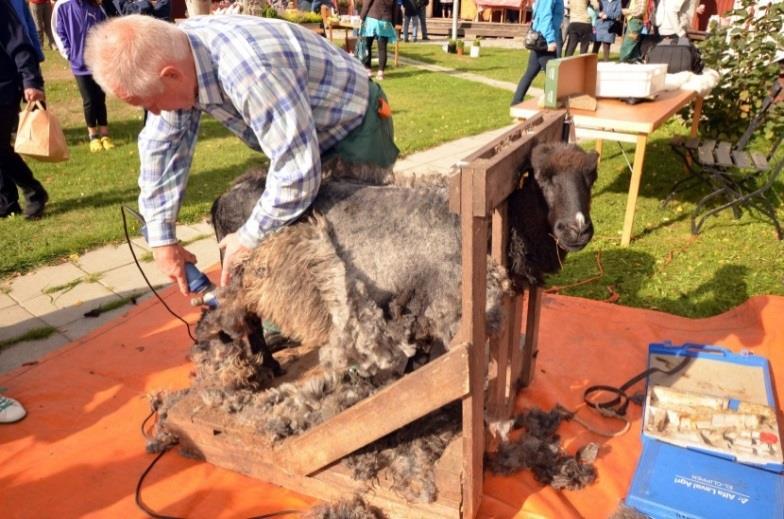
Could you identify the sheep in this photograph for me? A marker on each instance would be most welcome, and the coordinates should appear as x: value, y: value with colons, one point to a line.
x: 373, y: 271
x: 372, y: 275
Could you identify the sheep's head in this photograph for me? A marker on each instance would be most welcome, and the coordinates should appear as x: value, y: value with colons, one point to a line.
x: 565, y: 174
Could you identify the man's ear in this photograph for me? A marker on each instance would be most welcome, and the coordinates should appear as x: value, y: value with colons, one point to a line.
x: 170, y: 72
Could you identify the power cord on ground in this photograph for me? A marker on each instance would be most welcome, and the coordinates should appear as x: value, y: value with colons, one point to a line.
x: 123, y: 209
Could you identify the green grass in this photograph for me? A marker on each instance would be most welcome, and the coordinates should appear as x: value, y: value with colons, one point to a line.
x: 500, y: 64
x: 36, y: 334
x: 665, y: 267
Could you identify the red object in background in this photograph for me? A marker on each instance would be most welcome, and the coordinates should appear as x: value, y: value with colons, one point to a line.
x: 712, y: 7
x: 178, y: 9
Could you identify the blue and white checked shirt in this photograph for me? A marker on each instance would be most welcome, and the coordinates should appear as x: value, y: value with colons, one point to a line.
x: 282, y: 89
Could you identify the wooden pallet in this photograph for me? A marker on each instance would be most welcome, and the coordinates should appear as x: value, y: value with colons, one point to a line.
x: 310, y: 462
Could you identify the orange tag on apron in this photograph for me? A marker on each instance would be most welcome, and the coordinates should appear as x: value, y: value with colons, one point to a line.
x: 384, y: 110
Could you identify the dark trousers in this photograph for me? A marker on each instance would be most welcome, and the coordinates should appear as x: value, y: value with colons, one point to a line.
x: 14, y: 173
x: 579, y: 32
x: 422, y: 14
x: 382, y: 51
x: 93, y: 100
x: 536, y: 61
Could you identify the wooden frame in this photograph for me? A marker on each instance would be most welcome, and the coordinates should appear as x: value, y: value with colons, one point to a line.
x: 310, y: 462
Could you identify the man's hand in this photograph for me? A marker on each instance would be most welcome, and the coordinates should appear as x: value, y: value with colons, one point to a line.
x: 551, y: 47
x: 234, y: 253
x: 33, y: 94
x: 170, y: 259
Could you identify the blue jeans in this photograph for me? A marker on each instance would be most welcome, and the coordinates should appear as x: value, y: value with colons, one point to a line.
x: 406, y: 20
x: 536, y: 61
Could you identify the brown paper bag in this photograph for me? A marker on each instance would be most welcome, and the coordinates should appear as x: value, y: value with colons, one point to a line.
x: 39, y: 135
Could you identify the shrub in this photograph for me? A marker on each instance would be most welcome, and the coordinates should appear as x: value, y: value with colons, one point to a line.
x: 743, y: 52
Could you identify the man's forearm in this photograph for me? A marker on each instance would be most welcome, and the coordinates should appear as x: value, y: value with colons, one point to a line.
x: 166, y: 147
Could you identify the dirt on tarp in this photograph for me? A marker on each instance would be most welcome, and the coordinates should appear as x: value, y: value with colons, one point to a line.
x: 80, y: 451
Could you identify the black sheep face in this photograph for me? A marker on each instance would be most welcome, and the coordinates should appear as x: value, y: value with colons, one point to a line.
x: 565, y: 174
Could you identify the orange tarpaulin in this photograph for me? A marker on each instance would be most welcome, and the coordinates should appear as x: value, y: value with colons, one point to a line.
x: 79, y: 453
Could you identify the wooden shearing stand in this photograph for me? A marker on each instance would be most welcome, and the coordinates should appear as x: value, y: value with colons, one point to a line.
x: 310, y: 462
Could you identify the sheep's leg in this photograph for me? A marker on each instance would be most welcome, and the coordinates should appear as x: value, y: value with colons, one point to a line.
x: 259, y: 345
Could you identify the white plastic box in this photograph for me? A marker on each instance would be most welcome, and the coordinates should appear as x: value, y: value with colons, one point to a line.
x: 629, y: 79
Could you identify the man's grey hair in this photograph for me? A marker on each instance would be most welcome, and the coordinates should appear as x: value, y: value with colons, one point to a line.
x: 127, y: 54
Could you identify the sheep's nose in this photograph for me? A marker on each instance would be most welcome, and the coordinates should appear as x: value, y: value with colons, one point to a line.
x: 576, y: 229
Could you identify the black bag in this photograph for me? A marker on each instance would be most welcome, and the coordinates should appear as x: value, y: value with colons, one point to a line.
x: 535, y: 41
x: 678, y: 56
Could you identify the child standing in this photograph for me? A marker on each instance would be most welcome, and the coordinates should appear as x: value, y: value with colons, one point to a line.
x: 72, y: 20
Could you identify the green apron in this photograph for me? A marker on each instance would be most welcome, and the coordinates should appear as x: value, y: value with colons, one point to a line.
x: 373, y: 141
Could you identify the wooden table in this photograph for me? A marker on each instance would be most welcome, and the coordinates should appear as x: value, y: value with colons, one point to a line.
x: 616, y: 120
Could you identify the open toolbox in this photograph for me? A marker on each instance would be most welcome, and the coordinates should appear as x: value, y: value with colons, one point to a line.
x: 711, y: 445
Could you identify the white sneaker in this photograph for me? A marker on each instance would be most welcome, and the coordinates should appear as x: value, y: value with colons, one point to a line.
x: 10, y: 410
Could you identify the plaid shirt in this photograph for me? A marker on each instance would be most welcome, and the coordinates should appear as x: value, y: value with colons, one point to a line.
x: 282, y: 89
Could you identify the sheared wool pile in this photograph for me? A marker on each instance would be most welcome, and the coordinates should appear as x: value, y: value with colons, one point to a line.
x: 540, y: 451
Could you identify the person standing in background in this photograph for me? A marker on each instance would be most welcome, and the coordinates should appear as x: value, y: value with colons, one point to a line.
x: 410, y: 14
x: 20, y: 78
x: 609, y: 18
x: 580, y: 28
x: 632, y: 38
x: 377, y: 25
x: 42, y: 16
x: 72, y: 20
x: 673, y: 17
x: 547, y: 17
x: 421, y: 6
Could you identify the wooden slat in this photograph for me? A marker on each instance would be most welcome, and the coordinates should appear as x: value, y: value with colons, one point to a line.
x: 221, y: 441
x: 430, y: 387
x: 723, y: 154
x: 503, y: 174
x: 504, y: 158
x: 705, y: 153
x: 531, y: 346
x: 474, y: 290
x: 741, y: 159
x: 760, y: 161
x: 499, y: 346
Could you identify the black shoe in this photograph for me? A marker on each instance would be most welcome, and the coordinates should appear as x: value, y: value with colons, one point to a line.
x: 13, y: 209
x: 35, y: 209
x: 425, y: 39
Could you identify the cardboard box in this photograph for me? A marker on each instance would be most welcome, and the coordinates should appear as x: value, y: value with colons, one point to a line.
x: 567, y: 77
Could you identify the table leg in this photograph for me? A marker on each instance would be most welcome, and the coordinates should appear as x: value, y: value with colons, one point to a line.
x: 695, y: 118
x: 598, y: 148
x: 634, y: 189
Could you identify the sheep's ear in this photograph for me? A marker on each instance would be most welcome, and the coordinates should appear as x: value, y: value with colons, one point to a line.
x: 540, y: 160
x: 591, y: 166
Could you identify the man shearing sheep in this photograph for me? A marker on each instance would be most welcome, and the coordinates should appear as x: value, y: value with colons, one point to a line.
x: 282, y: 89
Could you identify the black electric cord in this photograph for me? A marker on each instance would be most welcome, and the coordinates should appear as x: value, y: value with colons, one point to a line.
x: 123, y: 209
x: 144, y: 433
x: 620, y: 403
x: 139, y: 501
x: 147, y: 510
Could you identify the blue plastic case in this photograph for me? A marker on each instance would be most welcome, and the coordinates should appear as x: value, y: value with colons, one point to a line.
x: 673, y: 482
